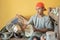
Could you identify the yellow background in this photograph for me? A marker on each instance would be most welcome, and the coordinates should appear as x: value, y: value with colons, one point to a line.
x: 9, y: 8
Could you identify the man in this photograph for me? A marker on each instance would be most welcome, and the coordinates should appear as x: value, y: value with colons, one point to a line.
x: 41, y: 23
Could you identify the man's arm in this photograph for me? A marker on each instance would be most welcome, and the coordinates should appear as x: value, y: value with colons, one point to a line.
x: 43, y: 30
x: 29, y: 22
x: 48, y: 26
x: 40, y: 30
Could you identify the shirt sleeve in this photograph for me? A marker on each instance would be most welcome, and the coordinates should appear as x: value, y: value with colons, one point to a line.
x: 30, y: 21
x: 48, y: 24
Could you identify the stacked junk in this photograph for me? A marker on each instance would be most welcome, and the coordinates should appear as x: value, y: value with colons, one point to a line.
x: 14, y: 28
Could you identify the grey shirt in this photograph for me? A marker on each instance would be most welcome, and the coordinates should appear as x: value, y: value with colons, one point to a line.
x: 40, y: 23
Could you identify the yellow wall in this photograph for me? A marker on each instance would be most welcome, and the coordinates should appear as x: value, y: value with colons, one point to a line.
x: 9, y: 8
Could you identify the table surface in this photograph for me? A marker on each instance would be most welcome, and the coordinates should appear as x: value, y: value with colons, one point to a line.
x: 17, y: 39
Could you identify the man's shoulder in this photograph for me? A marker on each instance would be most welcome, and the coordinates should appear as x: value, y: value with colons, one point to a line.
x: 46, y: 17
x: 33, y: 16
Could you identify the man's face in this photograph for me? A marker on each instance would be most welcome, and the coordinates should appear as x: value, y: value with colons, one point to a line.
x: 39, y: 10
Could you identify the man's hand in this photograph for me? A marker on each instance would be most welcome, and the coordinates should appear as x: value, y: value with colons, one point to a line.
x: 24, y: 27
x: 34, y: 29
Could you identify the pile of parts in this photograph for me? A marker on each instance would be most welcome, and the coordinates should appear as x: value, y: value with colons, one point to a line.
x: 13, y: 28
